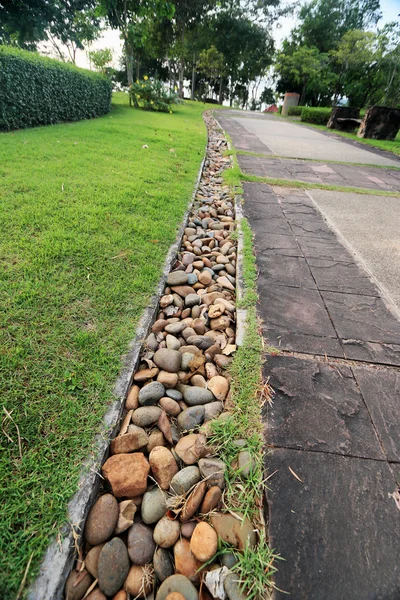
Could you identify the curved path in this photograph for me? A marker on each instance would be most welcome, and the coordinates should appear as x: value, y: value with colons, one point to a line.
x: 326, y: 260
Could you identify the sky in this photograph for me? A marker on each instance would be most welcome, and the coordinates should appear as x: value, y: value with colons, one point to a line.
x: 110, y: 38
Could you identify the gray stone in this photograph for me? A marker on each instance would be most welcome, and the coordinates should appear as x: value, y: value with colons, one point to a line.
x: 192, y: 279
x: 186, y: 358
x: 168, y: 360
x: 192, y: 300
x: 246, y: 463
x: 184, y: 480
x: 191, y: 417
x: 175, y: 328
x: 200, y: 341
x: 177, y: 278
x: 141, y: 545
x: 113, y: 566
x: 212, y: 410
x: 232, y: 587
x: 212, y: 469
x: 228, y: 559
x: 174, y: 394
x: 151, y: 393
x: 180, y: 584
x: 163, y: 564
x: 151, y: 342
x: 172, y: 342
x: 154, y: 505
x: 146, y: 415
x: 194, y: 395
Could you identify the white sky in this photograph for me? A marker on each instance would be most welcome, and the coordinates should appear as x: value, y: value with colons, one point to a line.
x: 111, y: 39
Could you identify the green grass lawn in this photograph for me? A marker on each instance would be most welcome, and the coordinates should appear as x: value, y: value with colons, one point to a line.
x: 87, y: 215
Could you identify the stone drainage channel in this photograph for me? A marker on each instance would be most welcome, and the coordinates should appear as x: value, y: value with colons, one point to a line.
x: 161, y: 509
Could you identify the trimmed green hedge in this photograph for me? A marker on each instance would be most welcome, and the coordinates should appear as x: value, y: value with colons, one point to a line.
x: 319, y: 116
x: 35, y: 90
x: 295, y: 111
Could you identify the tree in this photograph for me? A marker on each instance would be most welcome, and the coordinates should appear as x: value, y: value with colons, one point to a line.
x: 267, y: 96
x: 101, y: 59
x: 78, y: 24
x: 132, y: 18
x: 211, y: 63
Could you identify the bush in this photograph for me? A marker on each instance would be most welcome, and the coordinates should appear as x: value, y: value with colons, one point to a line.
x: 279, y: 110
x: 319, y: 116
x: 295, y: 111
x: 152, y: 95
x: 35, y: 90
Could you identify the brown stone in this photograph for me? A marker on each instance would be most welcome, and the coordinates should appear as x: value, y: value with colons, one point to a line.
x: 125, y: 423
x: 129, y: 442
x: 156, y: 438
x: 220, y: 324
x: 163, y: 466
x: 193, y: 502
x: 170, y: 406
x: 132, y: 402
x: 185, y: 562
x: 204, y: 542
x: 166, y: 532
x: 92, y: 558
x: 169, y: 380
x: 77, y: 585
x: 139, y: 582
x: 234, y: 531
x: 188, y: 528
x: 121, y: 595
x: 219, y: 386
x: 127, y: 474
x: 164, y: 425
x: 96, y: 595
x: 101, y: 520
x: 175, y: 596
x: 183, y: 290
x: 127, y: 510
x: 145, y: 374
x: 211, y: 500
x: 192, y: 447
x: 216, y: 310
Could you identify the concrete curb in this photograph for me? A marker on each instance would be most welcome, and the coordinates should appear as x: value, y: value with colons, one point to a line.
x: 59, y: 557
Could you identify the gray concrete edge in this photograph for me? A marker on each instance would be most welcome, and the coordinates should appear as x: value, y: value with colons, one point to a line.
x: 60, y: 555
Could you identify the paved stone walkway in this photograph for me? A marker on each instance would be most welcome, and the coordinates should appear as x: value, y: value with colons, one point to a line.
x: 333, y: 429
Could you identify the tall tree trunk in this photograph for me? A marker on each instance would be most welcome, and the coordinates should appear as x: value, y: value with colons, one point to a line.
x: 129, y: 61
x: 137, y: 68
x: 303, y: 94
x: 181, y: 64
x: 221, y: 90
x: 193, y: 76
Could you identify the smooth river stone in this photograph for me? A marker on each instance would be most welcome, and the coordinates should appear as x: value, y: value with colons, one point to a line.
x: 101, y: 520
x: 154, y: 505
x: 176, y: 278
x: 129, y: 442
x: 163, y: 565
x: 168, y: 360
x: 113, y: 566
x: 179, y: 584
x: 151, y: 393
x: 146, y: 415
x: 184, y: 480
x: 191, y: 417
x: 166, y: 532
x: 141, y: 545
x: 194, y: 395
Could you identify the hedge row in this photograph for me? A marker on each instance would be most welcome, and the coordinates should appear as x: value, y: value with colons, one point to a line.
x: 319, y: 116
x: 35, y: 90
x: 295, y: 111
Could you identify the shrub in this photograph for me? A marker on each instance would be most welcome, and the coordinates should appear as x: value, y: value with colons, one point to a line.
x: 319, y: 116
x: 295, y: 111
x: 279, y: 110
x: 152, y: 95
x: 35, y: 90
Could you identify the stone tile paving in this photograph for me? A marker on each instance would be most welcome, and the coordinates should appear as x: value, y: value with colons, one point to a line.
x: 323, y: 173
x: 334, y: 423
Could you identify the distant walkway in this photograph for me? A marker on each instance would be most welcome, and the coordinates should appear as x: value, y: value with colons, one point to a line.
x: 333, y: 429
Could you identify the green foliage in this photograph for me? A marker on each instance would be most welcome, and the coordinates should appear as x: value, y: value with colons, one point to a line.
x: 295, y: 111
x: 319, y: 116
x: 35, y: 90
x: 152, y: 95
x: 100, y: 59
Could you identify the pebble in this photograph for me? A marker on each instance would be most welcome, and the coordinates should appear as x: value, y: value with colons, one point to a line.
x: 190, y: 418
x: 204, y: 542
x: 168, y: 360
x: 188, y: 528
x: 141, y: 545
x: 146, y: 415
x: 246, y: 463
x: 92, y: 558
x: 185, y: 562
x: 191, y: 300
x: 127, y: 474
x: 139, y: 582
x: 156, y: 438
x: 170, y: 406
x: 151, y: 393
x: 228, y: 559
x: 174, y: 394
x: 194, y: 395
x: 154, y: 505
x: 213, y: 469
x: 76, y: 590
x: 177, y: 583
x: 166, y: 532
x: 211, y: 500
x: 193, y: 502
x: 163, y: 466
x: 184, y: 480
x: 198, y: 380
x: 212, y: 411
x: 177, y: 278
x: 219, y: 386
x: 145, y: 374
x: 133, y: 440
x: 233, y: 531
x: 191, y: 447
x: 175, y: 328
x: 101, y: 520
x: 233, y: 588
x: 96, y: 595
x: 163, y: 565
x: 172, y: 342
x: 113, y: 566
x: 132, y: 402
